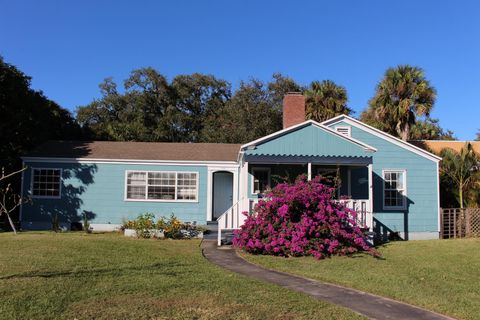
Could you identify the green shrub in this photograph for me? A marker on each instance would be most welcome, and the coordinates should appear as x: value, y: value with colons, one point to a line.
x: 143, y: 225
x: 86, y: 224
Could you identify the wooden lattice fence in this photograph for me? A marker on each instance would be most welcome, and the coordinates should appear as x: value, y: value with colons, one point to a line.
x: 460, y: 223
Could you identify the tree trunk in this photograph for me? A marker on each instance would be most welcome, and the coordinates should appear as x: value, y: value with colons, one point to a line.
x: 460, y: 195
x: 11, y: 223
x: 403, y: 131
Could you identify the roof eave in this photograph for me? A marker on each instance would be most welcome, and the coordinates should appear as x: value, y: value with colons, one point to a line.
x: 405, y: 144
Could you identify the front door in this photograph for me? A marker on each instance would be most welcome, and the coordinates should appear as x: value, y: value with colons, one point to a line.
x: 222, y: 193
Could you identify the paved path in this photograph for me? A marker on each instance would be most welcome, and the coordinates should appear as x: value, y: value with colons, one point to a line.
x: 372, y: 306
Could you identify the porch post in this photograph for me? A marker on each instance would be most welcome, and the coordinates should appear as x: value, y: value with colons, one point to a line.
x: 244, y: 187
x: 370, y: 194
x: 309, y: 171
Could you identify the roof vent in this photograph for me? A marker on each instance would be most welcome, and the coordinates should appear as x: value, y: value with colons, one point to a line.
x: 346, y: 131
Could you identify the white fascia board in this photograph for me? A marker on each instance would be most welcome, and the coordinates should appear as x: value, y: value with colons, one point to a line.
x: 304, y: 124
x: 385, y: 136
x: 129, y: 161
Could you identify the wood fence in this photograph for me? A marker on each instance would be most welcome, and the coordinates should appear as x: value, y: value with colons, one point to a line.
x: 460, y: 223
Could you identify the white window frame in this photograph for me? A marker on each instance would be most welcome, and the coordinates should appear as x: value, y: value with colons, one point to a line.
x: 404, y: 174
x: 46, y: 197
x: 125, y: 197
x: 267, y: 169
x: 348, y: 128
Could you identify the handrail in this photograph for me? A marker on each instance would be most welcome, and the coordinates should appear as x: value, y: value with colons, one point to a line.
x: 230, y: 219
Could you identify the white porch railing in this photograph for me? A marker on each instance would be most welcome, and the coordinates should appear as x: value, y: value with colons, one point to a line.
x: 231, y: 219
x: 363, y: 210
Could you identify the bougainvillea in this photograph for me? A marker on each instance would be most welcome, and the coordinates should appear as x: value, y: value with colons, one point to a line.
x: 301, y: 219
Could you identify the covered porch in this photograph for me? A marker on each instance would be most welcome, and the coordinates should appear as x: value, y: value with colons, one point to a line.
x: 308, y: 148
x: 350, y: 177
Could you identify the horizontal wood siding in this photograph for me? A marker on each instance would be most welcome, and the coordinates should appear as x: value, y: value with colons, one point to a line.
x: 309, y: 141
x: 100, y: 190
x: 422, y: 208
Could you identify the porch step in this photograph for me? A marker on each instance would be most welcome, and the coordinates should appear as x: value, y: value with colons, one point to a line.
x: 227, y: 237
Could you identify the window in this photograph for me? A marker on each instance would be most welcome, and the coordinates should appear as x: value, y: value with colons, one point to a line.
x: 346, y: 131
x: 394, y: 189
x: 161, y: 186
x: 261, y: 180
x: 46, y: 183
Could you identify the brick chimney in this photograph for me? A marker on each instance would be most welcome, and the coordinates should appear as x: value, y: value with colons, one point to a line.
x: 293, y: 109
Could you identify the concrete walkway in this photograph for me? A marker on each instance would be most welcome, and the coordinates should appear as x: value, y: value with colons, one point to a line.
x: 371, y: 306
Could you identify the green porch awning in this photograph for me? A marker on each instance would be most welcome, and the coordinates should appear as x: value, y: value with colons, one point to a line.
x: 309, y: 142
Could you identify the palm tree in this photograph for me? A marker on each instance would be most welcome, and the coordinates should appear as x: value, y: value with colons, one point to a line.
x: 402, y: 94
x: 462, y: 168
x: 325, y: 100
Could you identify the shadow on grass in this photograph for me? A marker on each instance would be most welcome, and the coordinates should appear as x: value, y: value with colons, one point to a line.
x: 159, y: 266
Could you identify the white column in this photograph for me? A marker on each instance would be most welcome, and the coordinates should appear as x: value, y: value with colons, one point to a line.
x: 209, y: 194
x: 309, y: 171
x: 370, y: 195
x: 244, y: 187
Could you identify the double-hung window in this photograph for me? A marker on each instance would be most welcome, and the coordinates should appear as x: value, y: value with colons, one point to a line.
x: 394, y: 189
x: 162, y: 186
x: 46, y: 183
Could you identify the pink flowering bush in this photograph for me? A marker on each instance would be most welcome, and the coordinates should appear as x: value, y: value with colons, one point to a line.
x: 301, y: 219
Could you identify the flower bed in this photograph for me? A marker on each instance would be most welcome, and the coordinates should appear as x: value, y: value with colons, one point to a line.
x: 146, y: 227
x: 301, y: 219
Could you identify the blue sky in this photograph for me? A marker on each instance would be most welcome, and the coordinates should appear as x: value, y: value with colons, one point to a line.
x: 69, y: 47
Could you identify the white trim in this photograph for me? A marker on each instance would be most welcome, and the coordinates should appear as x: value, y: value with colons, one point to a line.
x: 209, y: 195
x: 235, y: 194
x: 304, y: 124
x: 348, y: 128
x: 309, y: 171
x: 438, y: 199
x: 109, y: 227
x: 32, y: 170
x: 160, y: 200
x: 128, y: 161
x: 392, y: 208
x: 244, y: 176
x: 252, y: 184
x: 379, y: 133
x: 370, y: 192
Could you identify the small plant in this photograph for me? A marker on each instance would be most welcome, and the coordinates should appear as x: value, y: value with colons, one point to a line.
x: 55, y: 223
x: 86, y: 224
x: 143, y: 225
x: 172, y: 227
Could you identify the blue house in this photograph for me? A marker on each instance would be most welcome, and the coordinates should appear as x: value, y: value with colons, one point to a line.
x: 393, y: 185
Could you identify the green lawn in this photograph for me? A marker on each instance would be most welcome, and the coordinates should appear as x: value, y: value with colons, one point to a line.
x: 440, y: 275
x: 75, y: 275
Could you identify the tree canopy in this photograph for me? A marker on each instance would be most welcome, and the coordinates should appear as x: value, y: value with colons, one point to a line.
x: 460, y: 170
x: 325, y: 100
x: 190, y: 108
x: 429, y: 129
x: 401, y: 96
x: 28, y: 117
